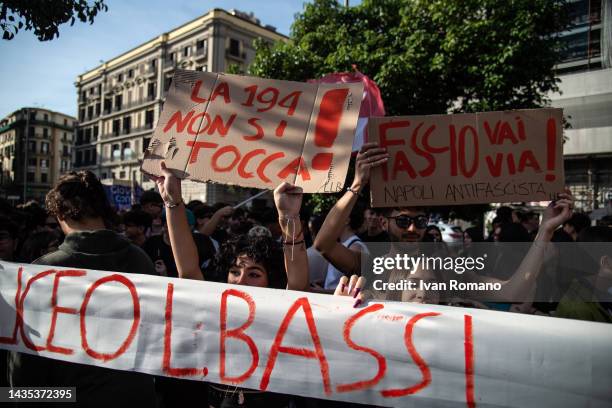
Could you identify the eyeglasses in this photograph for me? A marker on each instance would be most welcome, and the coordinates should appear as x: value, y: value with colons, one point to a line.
x: 404, y: 221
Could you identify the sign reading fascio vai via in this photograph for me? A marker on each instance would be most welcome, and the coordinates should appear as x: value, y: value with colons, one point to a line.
x: 468, y: 158
x: 256, y: 132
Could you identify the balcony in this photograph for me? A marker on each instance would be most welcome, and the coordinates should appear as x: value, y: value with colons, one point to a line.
x: 201, y: 53
x: 238, y: 56
x: 129, y: 105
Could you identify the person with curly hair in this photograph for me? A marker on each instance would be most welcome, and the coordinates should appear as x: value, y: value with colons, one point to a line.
x: 254, y: 260
x: 80, y: 205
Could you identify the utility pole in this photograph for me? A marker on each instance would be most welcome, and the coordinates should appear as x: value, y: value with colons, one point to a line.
x: 346, y: 3
x: 25, y: 155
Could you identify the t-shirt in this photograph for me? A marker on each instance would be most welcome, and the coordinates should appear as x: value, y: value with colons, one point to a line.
x: 333, y: 275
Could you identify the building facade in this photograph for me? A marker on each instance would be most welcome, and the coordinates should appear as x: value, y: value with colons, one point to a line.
x: 120, y: 101
x: 586, y: 98
x: 36, y: 147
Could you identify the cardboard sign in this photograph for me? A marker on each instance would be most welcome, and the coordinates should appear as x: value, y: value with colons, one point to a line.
x: 384, y: 354
x: 256, y: 132
x: 468, y: 158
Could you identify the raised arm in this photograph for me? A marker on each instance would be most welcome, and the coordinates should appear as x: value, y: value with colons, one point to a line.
x: 181, y: 239
x: 212, y: 224
x: 524, y: 279
x: 288, y: 201
x: 345, y: 260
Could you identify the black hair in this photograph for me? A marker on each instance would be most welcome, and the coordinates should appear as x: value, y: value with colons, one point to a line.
x: 79, y: 195
x: 139, y: 218
x: 150, y: 196
x: 513, y: 232
x: 475, y: 233
x: 261, y: 249
x: 579, y: 221
x: 37, y: 245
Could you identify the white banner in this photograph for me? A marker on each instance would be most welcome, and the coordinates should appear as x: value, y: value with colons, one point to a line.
x: 391, y: 354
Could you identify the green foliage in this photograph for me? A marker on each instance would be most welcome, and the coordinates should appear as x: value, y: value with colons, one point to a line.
x: 427, y: 56
x: 45, y: 16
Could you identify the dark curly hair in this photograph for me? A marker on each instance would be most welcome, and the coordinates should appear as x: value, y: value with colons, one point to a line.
x: 78, y: 195
x: 262, y: 250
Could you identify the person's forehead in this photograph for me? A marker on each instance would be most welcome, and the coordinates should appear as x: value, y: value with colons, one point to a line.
x: 412, y: 212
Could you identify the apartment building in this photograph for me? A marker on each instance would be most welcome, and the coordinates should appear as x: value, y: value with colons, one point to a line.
x: 119, y: 102
x: 43, y: 140
x: 586, y: 97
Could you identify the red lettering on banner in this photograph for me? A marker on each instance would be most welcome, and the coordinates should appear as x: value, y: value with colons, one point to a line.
x: 245, y: 161
x: 402, y: 164
x: 280, y: 129
x: 297, y: 167
x: 322, y: 161
x: 453, y: 150
x: 18, y: 312
x: 462, y: 151
x: 195, y: 91
x: 225, y: 149
x: 382, y: 362
x: 328, y: 120
x: 178, y: 120
x: 469, y: 361
x: 495, y: 167
x: 217, y: 125
x: 167, y: 357
x: 237, y: 333
x: 551, y: 148
x: 506, y: 133
x: 528, y: 159
x: 431, y: 167
x: 55, y: 310
x: 196, y: 146
x: 265, y: 163
x: 194, y: 121
x: 491, y: 134
x: 301, y: 352
x: 25, y: 339
x: 401, y: 392
x: 221, y: 90
x: 259, y: 130
x: 384, y: 141
x: 135, y: 321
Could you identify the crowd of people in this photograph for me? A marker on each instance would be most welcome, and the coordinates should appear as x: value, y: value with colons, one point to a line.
x: 283, y: 248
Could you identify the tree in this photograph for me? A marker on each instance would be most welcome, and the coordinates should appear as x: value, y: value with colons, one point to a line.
x: 428, y: 56
x: 45, y: 16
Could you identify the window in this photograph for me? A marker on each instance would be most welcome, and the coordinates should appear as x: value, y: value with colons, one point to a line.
x: 118, y: 101
x: 44, y: 147
x: 122, y: 174
x: 45, y: 133
x: 95, y: 132
x: 171, y: 57
x: 234, y: 47
x: 116, y: 126
x: 65, y: 122
x: 46, y: 117
x: 43, y: 177
x: 30, y: 177
x: 127, y: 122
x: 149, y: 118
x: 32, y: 162
x: 103, y: 176
x: 44, y: 163
x: 131, y: 73
x: 151, y: 90
x: 116, y: 153
x: 107, y: 105
x: 94, y: 156
x: 32, y: 115
x: 90, y: 112
x: 31, y: 131
x: 98, y: 109
x: 145, y: 143
x: 126, y: 151
x: 32, y: 146
x: 83, y: 94
x: 65, y: 151
x: 200, y: 44
x: 64, y: 136
x: 82, y: 114
x: 79, y: 159
x: 186, y: 51
x: 87, y: 157
x: 120, y: 77
x: 167, y: 83
x: 153, y: 64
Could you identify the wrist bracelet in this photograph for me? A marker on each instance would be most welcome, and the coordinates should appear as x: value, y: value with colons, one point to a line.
x: 294, y: 243
x: 358, y: 194
x: 170, y: 204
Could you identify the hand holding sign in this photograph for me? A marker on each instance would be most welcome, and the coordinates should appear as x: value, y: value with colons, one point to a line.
x: 169, y: 185
x: 352, y: 287
x: 369, y: 157
x: 558, y: 212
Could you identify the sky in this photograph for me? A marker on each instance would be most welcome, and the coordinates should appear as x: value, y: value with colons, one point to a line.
x: 42, y: 74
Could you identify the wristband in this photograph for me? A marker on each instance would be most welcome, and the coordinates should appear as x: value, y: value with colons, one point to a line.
x: 171, y: 204
x: 358, y: 194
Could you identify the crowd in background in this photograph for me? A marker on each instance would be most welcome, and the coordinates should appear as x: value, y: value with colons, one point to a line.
x: 263, y: 246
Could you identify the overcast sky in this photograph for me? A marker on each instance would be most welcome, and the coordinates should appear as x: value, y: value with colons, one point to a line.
x: 34, y: 73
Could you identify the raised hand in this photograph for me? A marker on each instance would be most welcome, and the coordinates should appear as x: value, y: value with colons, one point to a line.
x: 352, y: 287
x: 288, y: 200
x: 369, y: 156
x: 558, y: 212
x: 169, y: 185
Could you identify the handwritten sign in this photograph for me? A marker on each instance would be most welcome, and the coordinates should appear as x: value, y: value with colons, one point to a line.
x: 469, y: 158
x: 256, y: 132
x: 384, y: 354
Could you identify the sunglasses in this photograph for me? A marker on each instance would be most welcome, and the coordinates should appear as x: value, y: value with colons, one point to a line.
x: 404, y: 221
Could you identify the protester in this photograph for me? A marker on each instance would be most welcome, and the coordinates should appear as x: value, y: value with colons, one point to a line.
x: 151, y: 203
x: 81, y: 207
x: 38, y: 244
x: 8, y: 239
x: 137, y: 225
x: 253, y: 261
